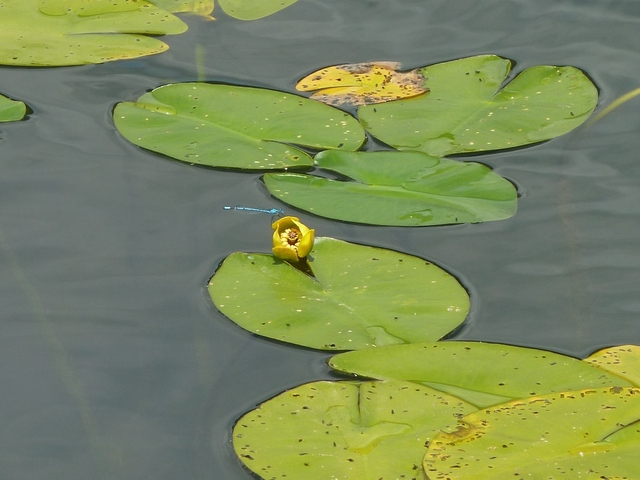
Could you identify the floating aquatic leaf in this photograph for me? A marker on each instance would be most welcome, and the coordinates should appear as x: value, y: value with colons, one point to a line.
x: 345, y: 430
x: 200, y: 7
x: 362, y: 83
x: 398, y: 188
x: 235, y: 127
x: 253, y: 9
x: 11, y: 110
x: 466, y: 111
x: 75, y: 32
x: 360, y: 297
x: 623, y: 361
x: 481, y: 373
x: 587, y: 434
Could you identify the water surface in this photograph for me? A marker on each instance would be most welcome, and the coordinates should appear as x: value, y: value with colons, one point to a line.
x: 115, y: 364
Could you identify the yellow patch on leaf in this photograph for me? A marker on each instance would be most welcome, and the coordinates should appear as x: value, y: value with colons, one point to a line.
x: 363, y: 83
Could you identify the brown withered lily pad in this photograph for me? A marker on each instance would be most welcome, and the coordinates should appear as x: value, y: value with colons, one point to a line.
x: 363, y: 83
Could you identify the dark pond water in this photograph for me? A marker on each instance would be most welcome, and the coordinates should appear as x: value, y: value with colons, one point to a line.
x: 115, y: 364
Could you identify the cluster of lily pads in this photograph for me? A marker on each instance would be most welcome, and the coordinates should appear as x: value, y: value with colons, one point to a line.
x: 76, y: 32
x: 415, y: 407
x: 465, y: 109
x: 412, y: 406
x: 453, y: 410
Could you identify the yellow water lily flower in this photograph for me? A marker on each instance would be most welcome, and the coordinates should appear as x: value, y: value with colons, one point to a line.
x: 292, y: 240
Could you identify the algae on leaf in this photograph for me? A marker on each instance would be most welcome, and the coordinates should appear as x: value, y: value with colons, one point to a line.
x: 360, y: 297
x: 43, y: 33
x: 234, y: 127
x: 11, y: 110
x: 467, y: 110
x: 623, y: 361
x: 346, y: 430
x: 588, y: 434
x: 398, y: 188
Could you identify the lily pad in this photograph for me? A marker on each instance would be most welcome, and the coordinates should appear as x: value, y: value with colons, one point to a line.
x: 253, y: 9
x: 362, y: 83
x: 586, y: 434
x: 199, y: 7
x: 481, y: 373
x: 623, y: 361
x: 467, y: 111
x: 11, y: 110
x: 76, y: 32
x: 360, y: 297
x: 346, y: 430
x: 398, y: 188
x: 235, y: 127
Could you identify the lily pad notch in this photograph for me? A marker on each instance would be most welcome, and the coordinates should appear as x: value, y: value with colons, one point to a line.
x: 359, y: 297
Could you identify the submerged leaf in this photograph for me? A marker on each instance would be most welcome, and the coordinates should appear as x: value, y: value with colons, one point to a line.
x: 481, y: 373
x: 398, y: 188
x: 76, y: 32
x: 587, y: 434
x: 360, y: 297
x: 253, y: 9
x: 11, y: 110
x: 363, y: 83
x: 235, y: 127
x: 623, y: 361
x: 467, y: 111
x: 345, y: 430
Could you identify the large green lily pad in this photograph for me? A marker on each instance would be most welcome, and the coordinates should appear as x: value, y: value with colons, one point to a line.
x: 345, y: 430
x: 624, y: 361
x: 253, y: 9
x: 398, y: 188
x: 467, y: 111
x: 587, y: 434
x: 75, y: 32
x: 360, y: 297
x: 235, y: 127
x: 481, y: 373
x: 11, y: 110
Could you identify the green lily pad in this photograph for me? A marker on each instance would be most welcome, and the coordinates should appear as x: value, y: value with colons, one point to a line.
x: 253, y: 9
x: 398, y: 188
x: 360, y: 297
x: 481, y: 373
x: 235, y: 127
x: 76, y: 32
x: 11, y: 110
x: 199, y: 7
x: 346, y: 430
x: 467, y: 111
x: 623, y: 361
x: 587, y: 434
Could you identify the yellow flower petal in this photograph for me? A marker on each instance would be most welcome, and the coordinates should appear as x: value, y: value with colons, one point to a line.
x: 306, y: 244
x: 285, y: 253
